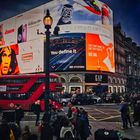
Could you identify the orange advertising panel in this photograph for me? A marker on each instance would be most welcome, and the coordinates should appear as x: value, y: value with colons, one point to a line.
x: 99, y: 53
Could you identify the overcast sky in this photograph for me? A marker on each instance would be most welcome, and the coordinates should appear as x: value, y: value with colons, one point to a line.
x: 127, y: 12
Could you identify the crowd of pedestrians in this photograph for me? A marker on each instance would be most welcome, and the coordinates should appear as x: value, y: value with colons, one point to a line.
x: 73, y: 125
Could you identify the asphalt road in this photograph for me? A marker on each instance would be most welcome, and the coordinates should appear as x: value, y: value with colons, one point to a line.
x: 109, y: 113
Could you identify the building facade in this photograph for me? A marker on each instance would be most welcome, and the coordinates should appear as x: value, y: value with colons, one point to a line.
x: 127, y: 71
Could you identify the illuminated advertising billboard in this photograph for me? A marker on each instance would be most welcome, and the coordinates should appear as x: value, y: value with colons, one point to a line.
x: 85, y: 40
x: 68, y: 52
x: 93, y: 20
x: 21, y: 31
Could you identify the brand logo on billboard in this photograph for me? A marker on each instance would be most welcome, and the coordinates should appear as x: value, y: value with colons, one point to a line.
x: 53, y: 67
x: 27, y: 56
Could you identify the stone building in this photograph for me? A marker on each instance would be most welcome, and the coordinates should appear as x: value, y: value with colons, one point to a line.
x: 127, y: 71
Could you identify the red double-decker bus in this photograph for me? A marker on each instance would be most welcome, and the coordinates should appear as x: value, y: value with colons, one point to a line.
x: 27, y: 89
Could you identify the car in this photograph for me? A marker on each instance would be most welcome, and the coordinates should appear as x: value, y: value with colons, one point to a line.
x: 79, y: 99
x: 85, y: 99
x: 112, y: 98
x: 108, y: 98
x: 65, y: 98
x: 95, y: 98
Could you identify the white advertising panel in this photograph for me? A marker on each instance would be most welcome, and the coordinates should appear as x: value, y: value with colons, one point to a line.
x: 8, y: 32
x: 21, y: 48
x: 30, y: 58
x: 28, y: 23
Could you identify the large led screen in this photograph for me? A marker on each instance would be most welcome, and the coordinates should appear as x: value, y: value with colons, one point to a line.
x: 68, y: 52
x: 93, y: 20
x: 85, y: 40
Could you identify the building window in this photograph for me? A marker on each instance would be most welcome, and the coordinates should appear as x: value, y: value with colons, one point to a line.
x: 63, y: 80
x: 75, y: 80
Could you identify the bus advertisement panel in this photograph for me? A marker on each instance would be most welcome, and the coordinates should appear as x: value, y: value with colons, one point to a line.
x: 27, y: 89
x: 90, y: 21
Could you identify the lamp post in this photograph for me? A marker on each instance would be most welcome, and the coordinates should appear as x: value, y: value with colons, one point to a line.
x: 99, y: 79
x: 47, y: 20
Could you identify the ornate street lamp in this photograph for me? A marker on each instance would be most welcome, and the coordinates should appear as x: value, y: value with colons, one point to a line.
x: 47, y: 20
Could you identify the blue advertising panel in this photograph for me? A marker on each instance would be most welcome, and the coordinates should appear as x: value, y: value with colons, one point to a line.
x: 67, y: 52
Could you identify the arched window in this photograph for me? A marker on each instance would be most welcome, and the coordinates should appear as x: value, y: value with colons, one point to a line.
x: 63, y: 80
x: 109, y: 80
x: 122, y: 81
x: 114, y: 81
x: 75, y: 80
x: 118, y: 81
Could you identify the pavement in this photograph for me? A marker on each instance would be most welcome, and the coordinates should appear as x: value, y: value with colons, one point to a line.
x: 132, y: 133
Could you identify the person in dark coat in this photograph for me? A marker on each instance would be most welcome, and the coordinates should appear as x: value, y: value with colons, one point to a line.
x: 46, y: 131
x: 69, y: 114
x: 19, y: 112
x: 4, y: 130
x: 129, y: 115
x: 136, y: 114
x: 83, y: 125
x: 37, y: 110
x: 124, y: 114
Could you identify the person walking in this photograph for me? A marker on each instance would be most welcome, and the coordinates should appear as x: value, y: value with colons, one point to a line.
x: 37, y: 110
